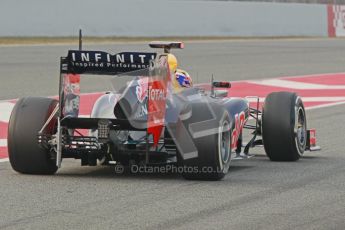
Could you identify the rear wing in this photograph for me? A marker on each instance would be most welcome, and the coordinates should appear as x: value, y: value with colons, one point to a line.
x: 102, y: 63
x: 88, y: 62
x: 94, y: 62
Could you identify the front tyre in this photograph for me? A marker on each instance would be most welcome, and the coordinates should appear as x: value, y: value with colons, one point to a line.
x: 284, y: 126
x: 27, y: 118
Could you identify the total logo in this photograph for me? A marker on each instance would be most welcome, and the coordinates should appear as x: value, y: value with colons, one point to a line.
x: 157, y: 94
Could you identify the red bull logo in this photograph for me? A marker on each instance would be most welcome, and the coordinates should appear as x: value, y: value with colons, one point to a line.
x: 240, y: 120
x: 141, y: 89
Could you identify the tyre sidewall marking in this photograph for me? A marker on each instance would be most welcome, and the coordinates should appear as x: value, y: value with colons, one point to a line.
x: 297, y: 108
x: 222, y: 163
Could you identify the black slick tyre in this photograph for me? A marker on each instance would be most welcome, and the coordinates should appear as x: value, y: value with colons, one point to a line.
x: 284, y: 126
x: 27, y: 118
x: 210, y: 135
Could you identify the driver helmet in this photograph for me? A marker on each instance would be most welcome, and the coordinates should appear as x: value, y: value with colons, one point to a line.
x: 183, y: 78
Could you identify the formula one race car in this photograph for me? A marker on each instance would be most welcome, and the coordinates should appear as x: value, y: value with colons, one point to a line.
x: 146, y: 122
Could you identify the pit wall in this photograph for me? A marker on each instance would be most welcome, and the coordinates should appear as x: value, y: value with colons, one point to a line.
x: 157, y: 18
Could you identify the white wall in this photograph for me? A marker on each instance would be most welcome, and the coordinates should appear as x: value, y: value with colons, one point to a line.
x: 160, y: 18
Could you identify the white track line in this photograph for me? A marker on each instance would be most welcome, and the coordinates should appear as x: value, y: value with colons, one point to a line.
x: 314, y: 75
x: 323, y: 99
x: 325, y: 105
x: 294, y: 85
x: 3, y: 142
x: 5, y: 111
x: 4, y: 160
x: 308, y: 99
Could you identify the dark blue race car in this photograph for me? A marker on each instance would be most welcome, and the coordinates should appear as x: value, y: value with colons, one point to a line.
x: 145, y: 122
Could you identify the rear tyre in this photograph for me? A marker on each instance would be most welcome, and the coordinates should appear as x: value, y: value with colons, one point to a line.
x: 213, y: 146
x: 27, y: 118
x: 284, y: 126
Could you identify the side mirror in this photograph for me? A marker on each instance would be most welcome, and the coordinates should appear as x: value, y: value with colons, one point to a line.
x: 221, y: 84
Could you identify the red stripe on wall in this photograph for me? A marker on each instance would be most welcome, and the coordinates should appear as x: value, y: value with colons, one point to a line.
x: 331, y: 26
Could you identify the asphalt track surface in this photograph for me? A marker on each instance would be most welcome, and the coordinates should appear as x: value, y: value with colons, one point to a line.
x: 256, y: 194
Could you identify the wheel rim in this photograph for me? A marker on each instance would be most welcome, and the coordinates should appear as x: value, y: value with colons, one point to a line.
x: 224, y: 142
x: 300, y: 129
